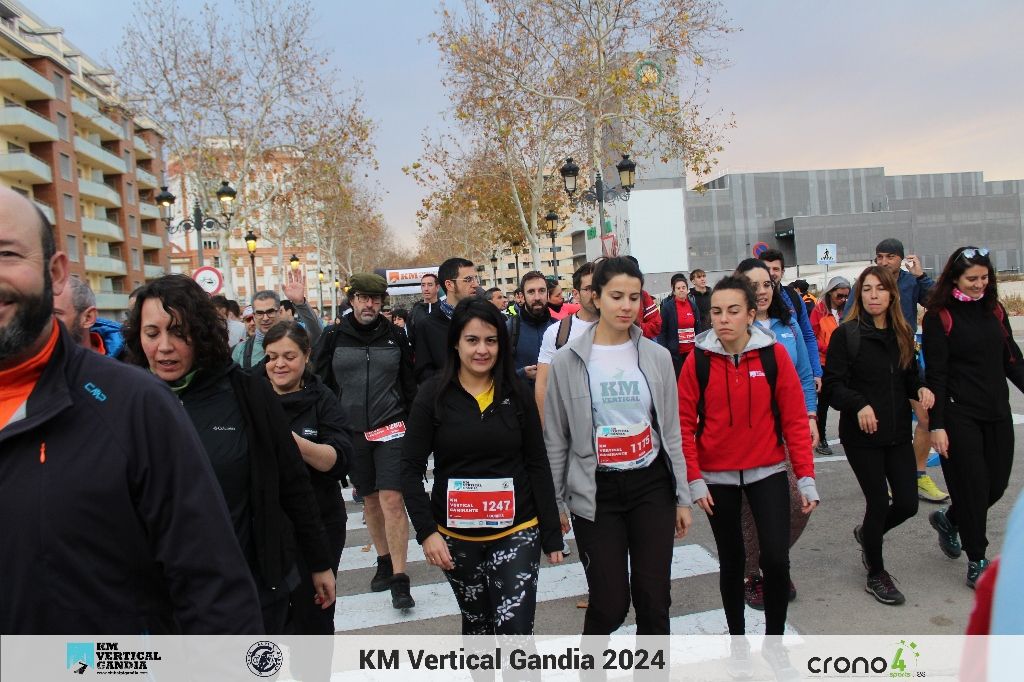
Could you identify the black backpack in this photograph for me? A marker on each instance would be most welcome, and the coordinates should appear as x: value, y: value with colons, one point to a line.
x: 771, y: 372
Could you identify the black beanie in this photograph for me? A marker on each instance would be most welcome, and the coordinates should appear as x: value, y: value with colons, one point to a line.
x: 890, y: 245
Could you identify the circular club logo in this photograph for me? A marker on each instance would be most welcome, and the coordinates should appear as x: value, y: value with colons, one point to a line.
x: 264, y: 658
x: 210, y: 279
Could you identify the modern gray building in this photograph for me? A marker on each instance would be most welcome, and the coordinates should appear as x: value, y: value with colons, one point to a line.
x: 853, y: 208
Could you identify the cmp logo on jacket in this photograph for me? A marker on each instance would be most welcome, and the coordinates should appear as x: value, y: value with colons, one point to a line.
x: 308, y: 432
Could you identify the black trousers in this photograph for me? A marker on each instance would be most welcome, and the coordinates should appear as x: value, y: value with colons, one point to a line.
x: 627, y: 550
x: 305, y: 616
x: 977, y: 472
x: 874, y: 467
x: 822, y: 418
x: 495, y: 582
x: 769, y: 503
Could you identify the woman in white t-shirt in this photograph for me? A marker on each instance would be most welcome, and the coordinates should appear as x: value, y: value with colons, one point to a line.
x: 612, y: 435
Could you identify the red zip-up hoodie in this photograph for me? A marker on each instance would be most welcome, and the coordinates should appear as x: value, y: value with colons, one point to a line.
x: 739, y: 432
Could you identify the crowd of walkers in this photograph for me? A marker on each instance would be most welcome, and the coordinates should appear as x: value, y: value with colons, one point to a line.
x: 195, y: 486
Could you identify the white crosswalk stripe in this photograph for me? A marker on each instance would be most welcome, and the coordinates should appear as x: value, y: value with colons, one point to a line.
x: 436, y: 599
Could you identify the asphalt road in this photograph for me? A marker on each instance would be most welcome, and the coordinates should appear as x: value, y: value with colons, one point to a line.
x: 826, y: 569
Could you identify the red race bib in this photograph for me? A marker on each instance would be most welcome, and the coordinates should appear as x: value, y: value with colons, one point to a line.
x: 624, y: 447
x: 386, y: 433
x: 481, y: 502
x: 686, y: 335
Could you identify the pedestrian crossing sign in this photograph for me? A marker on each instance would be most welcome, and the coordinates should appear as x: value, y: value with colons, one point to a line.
x: 826, y: 254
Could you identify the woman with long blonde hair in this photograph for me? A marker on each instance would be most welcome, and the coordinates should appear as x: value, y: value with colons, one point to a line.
x: 870, y: 373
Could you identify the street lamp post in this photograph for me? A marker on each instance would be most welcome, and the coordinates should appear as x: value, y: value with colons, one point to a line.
x: 337, y: 286
x: 494, y: 267
x: 552, y: 221
x: 320, y: 290
x: 600, y: 194
x: 225, y: 194
x: 250, y: 245
x: 480, y: 274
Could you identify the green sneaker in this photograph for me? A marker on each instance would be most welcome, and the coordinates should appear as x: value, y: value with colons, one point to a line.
x: 949, y: 536
x: 928, y: 491
x: 974, y: 571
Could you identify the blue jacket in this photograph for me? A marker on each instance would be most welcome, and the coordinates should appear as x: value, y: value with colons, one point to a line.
x: 110, y: 332
x: 804, y: 321
x: 789, y: 337
x: 913, y: 290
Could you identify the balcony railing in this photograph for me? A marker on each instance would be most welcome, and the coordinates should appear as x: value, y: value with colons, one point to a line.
x: 92, y: 118
x: 153, y: 271
x: 26, y: 124
x: 142, y: 148
x: 146, y: 179
x: 104, y: 229
x: 100, y: 156
x: 105, y: 265
x: 100, y: 192
x: 46, y: 209
x: 149, y: 210
x: 25, y: 167
x: 152, y: 241
x: 24, y: 81
x: 108, y: 300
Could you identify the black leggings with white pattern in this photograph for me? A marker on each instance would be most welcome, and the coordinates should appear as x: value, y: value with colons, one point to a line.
x: 495, y: 582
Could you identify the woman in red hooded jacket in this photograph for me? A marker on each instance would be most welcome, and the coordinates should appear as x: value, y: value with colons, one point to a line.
x: 736, y: 446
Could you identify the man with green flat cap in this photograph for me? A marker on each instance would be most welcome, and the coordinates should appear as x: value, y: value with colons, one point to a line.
x: 367, y: 362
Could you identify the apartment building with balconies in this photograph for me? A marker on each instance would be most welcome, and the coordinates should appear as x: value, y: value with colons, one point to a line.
x: 69, y: 143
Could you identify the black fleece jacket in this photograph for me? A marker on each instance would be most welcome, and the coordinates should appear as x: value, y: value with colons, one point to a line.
x: 872, y: 378
x: 272, y: 485
x: 968, y: 369
x: 506, y: 440
x: 315, y: 414
x: 370, y: 369
x: 112, y: 521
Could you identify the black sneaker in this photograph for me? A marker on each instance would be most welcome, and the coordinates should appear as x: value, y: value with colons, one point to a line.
x: 382, y: 578
x: 949, y: 536
x: 881, y: 587
x: 792, y: 591
x: 858, y: 535
x: 753, y: 592
x: 400, y: 595
x: 974, y: 571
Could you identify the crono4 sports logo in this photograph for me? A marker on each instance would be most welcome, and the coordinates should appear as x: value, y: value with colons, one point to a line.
x: 903, y: 663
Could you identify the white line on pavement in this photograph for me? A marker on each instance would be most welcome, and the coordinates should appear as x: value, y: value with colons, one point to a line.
x: 435, y: 600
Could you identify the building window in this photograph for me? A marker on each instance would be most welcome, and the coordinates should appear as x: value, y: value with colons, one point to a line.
x: 62, y: 127
x: 128, y: 158
x: 210, y: 244
x: 130, y: 192
x: 15, y: 148
x: 58, y: 85
x: 65, y: 167
x: 71, y: 244
x: 133, y: 226
x: 135, y: 259
x: 69, y: 207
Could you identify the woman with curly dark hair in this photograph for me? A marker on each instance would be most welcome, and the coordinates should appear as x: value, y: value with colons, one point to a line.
x: 174, y: 330
x: 969, y: 354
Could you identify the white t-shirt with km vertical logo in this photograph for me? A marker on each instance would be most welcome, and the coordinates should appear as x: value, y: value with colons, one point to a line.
x: 623, y: 435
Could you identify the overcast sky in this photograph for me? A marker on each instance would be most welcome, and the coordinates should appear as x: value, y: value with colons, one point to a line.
x: 917, y: 86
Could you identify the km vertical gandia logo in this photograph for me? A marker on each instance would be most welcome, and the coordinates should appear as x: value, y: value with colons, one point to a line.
x: 901, y: 663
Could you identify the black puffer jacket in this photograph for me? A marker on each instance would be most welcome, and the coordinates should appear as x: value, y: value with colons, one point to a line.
x: 315, y: 413
x: 873, y: 378
x: 370, y: 369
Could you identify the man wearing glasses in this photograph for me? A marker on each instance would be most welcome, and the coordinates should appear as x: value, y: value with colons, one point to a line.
x: 266, y: 309
x: 366, y: 361
x: 457, y: 276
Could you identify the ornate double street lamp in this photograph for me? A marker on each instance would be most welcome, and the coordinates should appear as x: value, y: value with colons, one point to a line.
x: 250, y: 245
x: 600, y: 194
x: 494, y: 266
x: 225, y: 194
x: 552, y: 222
